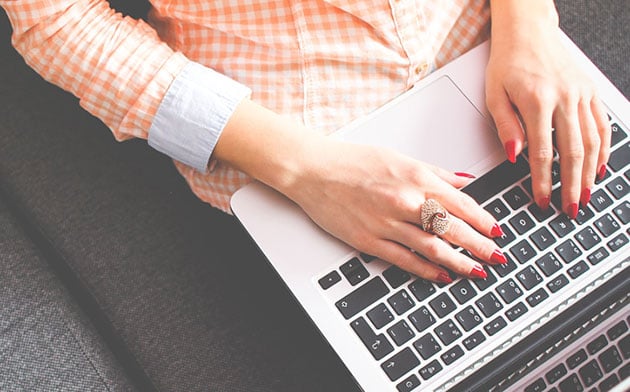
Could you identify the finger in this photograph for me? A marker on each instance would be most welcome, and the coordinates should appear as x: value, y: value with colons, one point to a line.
x: 481, y: 247
x: 456, y: 179
x: 409, y: 261
x: 603, y: 128
x: 571, y: 150
x: 507, y: 122
x: 591, y: 142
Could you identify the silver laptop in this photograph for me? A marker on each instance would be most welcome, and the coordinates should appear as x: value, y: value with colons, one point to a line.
x: 555, y: 318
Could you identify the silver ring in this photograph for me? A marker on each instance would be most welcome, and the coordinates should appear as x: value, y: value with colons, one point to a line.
x: 434, y: 217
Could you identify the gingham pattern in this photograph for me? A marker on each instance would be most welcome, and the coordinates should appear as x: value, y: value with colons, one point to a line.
x: 324, y: 63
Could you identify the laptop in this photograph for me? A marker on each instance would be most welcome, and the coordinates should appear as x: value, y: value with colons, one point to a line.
x: 554, y: 318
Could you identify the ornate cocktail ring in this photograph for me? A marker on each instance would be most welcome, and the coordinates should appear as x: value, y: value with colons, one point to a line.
x: 435, y: 219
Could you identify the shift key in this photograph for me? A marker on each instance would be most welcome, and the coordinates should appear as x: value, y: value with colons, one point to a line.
x: 362, y: 297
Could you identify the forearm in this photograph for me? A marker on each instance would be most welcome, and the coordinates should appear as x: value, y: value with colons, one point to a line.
x: 518, y: 17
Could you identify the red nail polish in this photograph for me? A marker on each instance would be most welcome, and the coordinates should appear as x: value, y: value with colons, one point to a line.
x: 462, y: 174
x: 478, y: 272
x: 543, y: 203
x: 585, y: 197
x: 443, y: 277
x: 572, y: 210
x: 496, y: 231
x: 498, y: 257
x: 510, y: 150
x: 601, y: 173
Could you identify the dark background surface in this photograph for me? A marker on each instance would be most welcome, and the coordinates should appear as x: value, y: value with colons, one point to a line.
x: 168, y: 289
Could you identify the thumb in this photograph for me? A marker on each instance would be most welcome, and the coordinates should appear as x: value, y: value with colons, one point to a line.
x: 507, y: 123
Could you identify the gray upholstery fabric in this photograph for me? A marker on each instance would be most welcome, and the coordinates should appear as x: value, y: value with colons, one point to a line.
x: 178, y: 283
x: 46, y: 342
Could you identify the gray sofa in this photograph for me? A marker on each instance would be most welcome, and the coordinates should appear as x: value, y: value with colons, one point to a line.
x: 113, y: 276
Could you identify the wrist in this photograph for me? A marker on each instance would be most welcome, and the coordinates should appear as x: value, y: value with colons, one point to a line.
x: 517, y: 18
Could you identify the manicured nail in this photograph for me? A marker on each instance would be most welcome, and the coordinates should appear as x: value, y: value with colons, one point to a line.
x: 498, y: 257
x: 572, y: 210
x: 601, y: 173
x: 467, y: 175
x: 585, y: 197
x: 543, y: 203
x: 496, y: 231
x: 510, y: 150
x: 443, y: 277
x: 478, y: 272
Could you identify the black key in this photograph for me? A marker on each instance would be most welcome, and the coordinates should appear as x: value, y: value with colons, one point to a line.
x: 442, y: 305
x: 557, y: 283
x: 427, y: 346
x: 495, y: 326
x: 422, y: 319
x: 624, y: 371
x: 504, y: 269
x: 362, y: 297
x: 354, y: 271
x: 401, y: 302
x: 329, y: 280
x: 575, y: 359
x: 609, y: 383
x: 549, y: 264
x: 618, y: 187
x: 516, y: 197
x: 380, y: 316
x: 610, y: 359
x: 584, y: 215
x: 537, y: 297
x: 527, y: 185
x: 578, y: 269
x: 620, y: 158
x: 489, y: 304
x: 617, y: 134
x: 556, y: 373
x: 498, y: 209
x: 452, y: 355
x: 507, y: 237
x: 529, y: 277
x: 521, y: 222
x: 463, y: 291
x: 378, y: 345
x: 600, y: 200
x: 400, y: 332
x: 562, y: 225
x: 367, y: 258
x: 568, y: 251
x: 473, y: 340
x: 468, y: 318
x: 516, y: 311
x: 571, y: 384
x: 617, y: 330
x: 590, y: 373
x: 607, y: 225
x: 398, y: 365
x: 597, y: 256
x: 509, y: 291
x: 408, y: 384
x: 556, y: 199
x: 542, y: 238
x: 430, y: 370
x: 555, y: 172
x: 588, y: 238
x: 523, y: 251
x: 596, y: 344
x: 624, y: 346
x: 483, y: 284
x: 622, y: 211
x: 447, y: 332
x: 536, y: 386
x: 616, y: 243
x: 607, y: 175
x: 422, y: 289
x: 541, y: 215
x: 395, y: 276
x: 496, y: 180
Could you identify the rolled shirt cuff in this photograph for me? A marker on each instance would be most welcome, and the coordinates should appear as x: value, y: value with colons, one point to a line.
x: 193, y: 113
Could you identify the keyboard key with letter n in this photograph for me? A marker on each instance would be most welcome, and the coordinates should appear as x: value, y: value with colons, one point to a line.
x: 362, y: 297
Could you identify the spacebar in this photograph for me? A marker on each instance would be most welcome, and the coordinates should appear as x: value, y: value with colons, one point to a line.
x: 497, y: 180
x: 362, y: 297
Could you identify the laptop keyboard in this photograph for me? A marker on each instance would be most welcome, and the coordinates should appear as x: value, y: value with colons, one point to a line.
x: 415, y: 328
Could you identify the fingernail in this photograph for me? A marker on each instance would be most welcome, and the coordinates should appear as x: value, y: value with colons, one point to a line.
x: 510, y: 150
x: 601, y: 173
x: 498, y: 257
x: 478, y: 272
x: 543, y: 203
x: 585, y: 197
x: 496, y: 231
x: 462, y: 174
x: 572, y: 210
x: 443, y: 277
